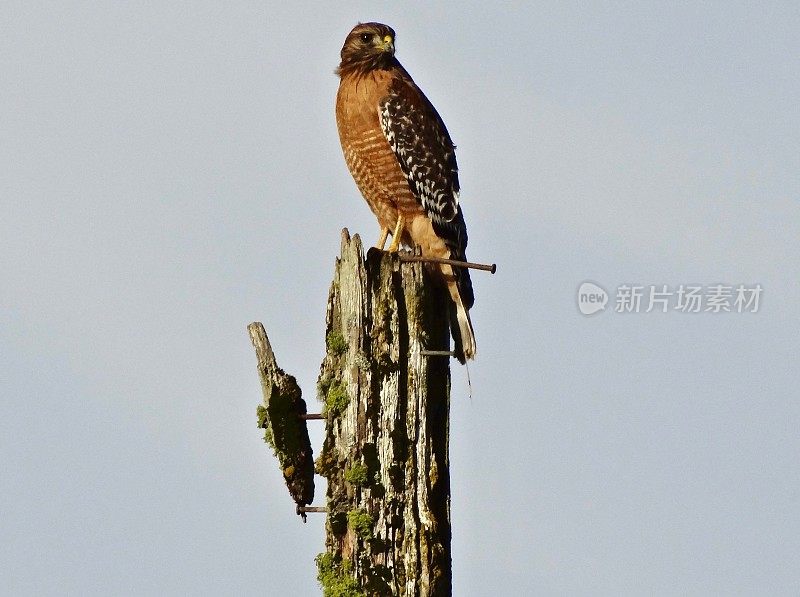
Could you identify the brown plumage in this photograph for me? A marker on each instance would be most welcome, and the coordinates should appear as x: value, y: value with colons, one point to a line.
x: 403, y: 160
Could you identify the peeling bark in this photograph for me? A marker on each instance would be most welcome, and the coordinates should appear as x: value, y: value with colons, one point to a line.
x: 385, y: 453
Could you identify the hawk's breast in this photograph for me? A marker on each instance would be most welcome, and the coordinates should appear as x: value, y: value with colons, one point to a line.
x: 369, y: 157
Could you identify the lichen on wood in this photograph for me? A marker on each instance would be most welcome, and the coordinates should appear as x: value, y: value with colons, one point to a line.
x: 279, y: 416
x: 385, y: 453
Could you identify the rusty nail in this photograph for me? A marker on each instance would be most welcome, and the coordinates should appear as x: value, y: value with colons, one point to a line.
x: 482, y: 266
x: 437, y: 353
x: 305, y: 509
x: 312, y: 416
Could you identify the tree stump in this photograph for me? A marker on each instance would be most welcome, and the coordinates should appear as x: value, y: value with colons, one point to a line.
x: 385, y: 454
x: 386, y: 402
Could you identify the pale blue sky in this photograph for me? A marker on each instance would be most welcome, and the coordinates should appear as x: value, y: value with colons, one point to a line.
x: 171, y: 172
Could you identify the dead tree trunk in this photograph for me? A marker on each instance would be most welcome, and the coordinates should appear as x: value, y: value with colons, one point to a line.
x: 386, y: 402
x: 385, y: 454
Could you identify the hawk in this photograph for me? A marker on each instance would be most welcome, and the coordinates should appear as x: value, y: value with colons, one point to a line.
x: 403, y: 161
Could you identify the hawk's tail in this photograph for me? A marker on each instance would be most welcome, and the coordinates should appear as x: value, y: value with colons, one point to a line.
x: 459, y: 286
x: 461, y: 328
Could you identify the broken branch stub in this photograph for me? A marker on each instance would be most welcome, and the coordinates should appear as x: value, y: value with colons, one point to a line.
x: 280, y: 417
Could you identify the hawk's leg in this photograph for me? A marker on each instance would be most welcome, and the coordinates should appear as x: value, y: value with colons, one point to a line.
x: 382, y: 239
x: 398, y: 231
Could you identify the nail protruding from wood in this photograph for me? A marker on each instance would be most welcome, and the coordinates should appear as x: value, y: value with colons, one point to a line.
x: 437, y: 353
x: 303, y: 510
x: 313, y: 416
x: 311, y: 509
x: 481, y: 266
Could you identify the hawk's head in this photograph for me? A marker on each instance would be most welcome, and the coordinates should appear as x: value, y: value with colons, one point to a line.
x: 368, y: 46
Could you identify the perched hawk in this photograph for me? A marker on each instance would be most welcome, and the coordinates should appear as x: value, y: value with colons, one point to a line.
x: 403, y: 161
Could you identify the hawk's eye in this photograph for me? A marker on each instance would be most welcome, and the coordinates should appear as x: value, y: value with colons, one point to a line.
x: 365, y: 37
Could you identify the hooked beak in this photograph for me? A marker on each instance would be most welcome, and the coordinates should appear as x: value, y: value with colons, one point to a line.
x: 388, y: 44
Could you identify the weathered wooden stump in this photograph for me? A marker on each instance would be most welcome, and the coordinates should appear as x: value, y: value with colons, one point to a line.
x: 386, y: 448
x: 385, y: 453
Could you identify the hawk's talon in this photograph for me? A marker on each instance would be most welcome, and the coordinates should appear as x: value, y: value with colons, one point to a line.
x: 382, y: 239
x: 398, y: 229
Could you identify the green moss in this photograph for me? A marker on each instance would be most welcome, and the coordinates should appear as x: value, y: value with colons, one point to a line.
x: 269, y: 439
x: 336, y: 343
x: 323, y: 385
x: 326, y: 464
x: 262, y: 414
x: 336, y: 399
x: 356, y: 474
x: 361, y: 523
x: 335, y: 576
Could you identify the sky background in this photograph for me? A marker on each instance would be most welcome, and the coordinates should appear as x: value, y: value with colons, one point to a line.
x: 170, y: 172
